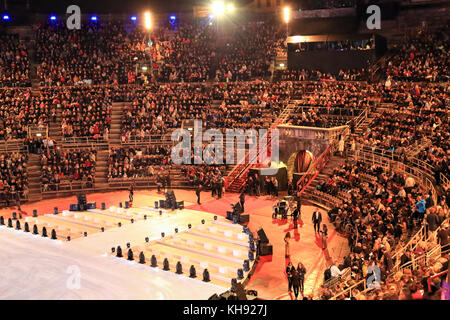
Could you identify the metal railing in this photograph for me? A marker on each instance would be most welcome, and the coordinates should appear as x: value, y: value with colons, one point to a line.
x: 148, y: 139
x: 413, y: 167
x: 445, y: 181
x: 38, y: 130
x: 11, y: 146
x: 84, y: 142
x: 333, y: 111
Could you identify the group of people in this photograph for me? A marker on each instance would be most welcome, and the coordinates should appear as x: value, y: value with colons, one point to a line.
x: 137, y: 162
x: 85, y: 112
x: 14, y: 62
x: 423, y: 56
x: 13, y: 178
x: 98, y: 53
x: 255, y: 186
x: 65, y: 166
x: 379, y: 210
x: 19, y: 109
x: 296, y: 278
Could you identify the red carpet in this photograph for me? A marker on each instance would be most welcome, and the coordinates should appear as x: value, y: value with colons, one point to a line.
x: 269, y: 278
x: 221, y: 206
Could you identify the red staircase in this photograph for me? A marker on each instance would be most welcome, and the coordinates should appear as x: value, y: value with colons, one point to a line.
x: 238, y: 176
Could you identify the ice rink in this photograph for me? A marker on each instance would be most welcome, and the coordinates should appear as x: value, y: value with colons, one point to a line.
x: 33, y: 267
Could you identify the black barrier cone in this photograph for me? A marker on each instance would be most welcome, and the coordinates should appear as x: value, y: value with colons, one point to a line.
x: 130, y: 255
x: 141, y: 258
x: 192, y: 272
x: 206, y: 276
x: 179, y: 268
x: 153, y: 261
x: 166, y: 265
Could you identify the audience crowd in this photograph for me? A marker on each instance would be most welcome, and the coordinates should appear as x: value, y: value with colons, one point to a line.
x: 137, y: 162
x: 61, y: 166
x: 200, y: 72
x: 380, y: 209
x: 13, y: 177
x: 14, y: 62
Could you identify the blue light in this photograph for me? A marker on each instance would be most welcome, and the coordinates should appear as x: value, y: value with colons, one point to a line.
x: 173, y: 18
x: 94, y: 18
x: 53, y: 18
x: 133, y: 18
x: 5, y: 17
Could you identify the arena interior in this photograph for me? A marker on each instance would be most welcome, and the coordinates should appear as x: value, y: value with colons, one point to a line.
x: 346, y: 196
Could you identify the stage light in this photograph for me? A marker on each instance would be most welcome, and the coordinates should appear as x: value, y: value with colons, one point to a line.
x: 218, y: 8
x: 133, y: 18
x: 173, y: 18
x: 94, y: 18
x: 297, y: 39
x: 147, y: 20
x: 282, y: 65
x: 6, y: 17
x: 144, y: 68
x: 287, y: 14
x: 230, y: 7
x: 53, y: 18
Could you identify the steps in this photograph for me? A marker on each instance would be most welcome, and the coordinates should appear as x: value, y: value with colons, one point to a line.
x: 219, y: 247
x: 34, y: 177
x: 117, y: 110
x: 54, y: 128
x: 238, y: 175
x: 101, y: 169
x: 323, y: 176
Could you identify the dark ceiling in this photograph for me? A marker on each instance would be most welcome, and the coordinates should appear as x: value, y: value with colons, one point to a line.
x: 107, y: 6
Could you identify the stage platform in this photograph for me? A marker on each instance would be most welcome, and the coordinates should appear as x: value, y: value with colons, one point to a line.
x: 37, y: 268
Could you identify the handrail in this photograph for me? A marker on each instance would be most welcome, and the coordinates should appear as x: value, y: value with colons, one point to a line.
x: 350, y: 289
x: 255, y: 157
x: 360, y: 118
x: 419, y: 173
x: 438, y: 275
x: 444, y: 180
x: 414, y: 263
x: 313, y: 171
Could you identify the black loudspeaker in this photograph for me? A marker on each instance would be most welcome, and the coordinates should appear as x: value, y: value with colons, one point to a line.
x: 238, y: 288
x: 162, y: 204
x: 81, y: 199
x: 230, y: 215
x: 266, y: 249
x: 244, y: 218
x: 74, y: 207
x: 92, y: 205
x: 262, y: 236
